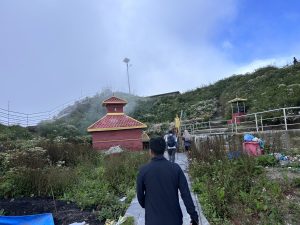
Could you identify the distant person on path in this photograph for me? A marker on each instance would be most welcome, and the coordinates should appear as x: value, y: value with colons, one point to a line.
x: 166, y: 139
x: 171, y: 142
x: 295, y: 61
x: 158, y: 183
x: 187, y: 139
x: 177, y: 124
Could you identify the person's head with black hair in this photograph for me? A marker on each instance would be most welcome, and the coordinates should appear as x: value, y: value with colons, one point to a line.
x: 157, y: 146
x: 170, y: 132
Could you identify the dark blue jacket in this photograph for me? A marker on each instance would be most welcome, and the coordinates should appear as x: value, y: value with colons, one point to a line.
x: 158, y: 183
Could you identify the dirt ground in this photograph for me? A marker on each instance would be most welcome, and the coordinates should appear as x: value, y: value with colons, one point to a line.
x: 64, y: 213
x: 278, y: 173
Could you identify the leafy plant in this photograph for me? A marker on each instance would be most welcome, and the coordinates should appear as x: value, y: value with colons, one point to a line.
x: 237, y: 188
x: 266, y: 160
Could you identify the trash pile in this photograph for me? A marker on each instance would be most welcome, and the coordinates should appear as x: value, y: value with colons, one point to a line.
x: 251, y: 138
x: 285, y: 159
x: 252, y: 145
x: 119, y: 222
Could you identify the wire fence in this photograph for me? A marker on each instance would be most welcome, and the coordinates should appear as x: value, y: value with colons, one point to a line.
x: 9, y: 117
x: 276, y: 119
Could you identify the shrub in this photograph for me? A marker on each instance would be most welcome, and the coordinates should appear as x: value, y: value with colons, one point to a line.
x: 102, y: 183
x: 36, y: 182
x: 30, y: 158
x: 266, y: 160
x: 73, y: 172
x: 72, y: 154
x: 238, y: 188
x: 121, y: 170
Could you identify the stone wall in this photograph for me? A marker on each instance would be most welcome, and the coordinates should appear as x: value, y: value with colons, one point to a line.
x: 278, y: 141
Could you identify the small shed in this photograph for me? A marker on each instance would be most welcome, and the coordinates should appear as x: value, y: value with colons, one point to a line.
x: 238, y: 108
x: 116, y: 128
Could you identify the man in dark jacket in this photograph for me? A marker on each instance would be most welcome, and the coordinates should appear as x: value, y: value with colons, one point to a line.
x: 158, y: 183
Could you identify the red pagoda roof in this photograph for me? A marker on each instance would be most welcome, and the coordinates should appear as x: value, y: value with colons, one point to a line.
x: 115, y: 121
x: 114, y: 100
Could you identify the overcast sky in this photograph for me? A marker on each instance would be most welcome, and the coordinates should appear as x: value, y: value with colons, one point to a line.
x: 53, y: 51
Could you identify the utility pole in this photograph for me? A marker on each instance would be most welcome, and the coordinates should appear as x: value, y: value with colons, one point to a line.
x: 8, y: 113
x: 126, y: 60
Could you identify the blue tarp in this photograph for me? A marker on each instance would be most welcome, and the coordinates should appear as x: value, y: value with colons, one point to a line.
x: 39, y: 219
x: 248, y: 137
x: 233, y: 154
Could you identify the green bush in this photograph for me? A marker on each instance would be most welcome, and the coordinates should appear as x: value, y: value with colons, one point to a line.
x: 238, y: 188
x: 30, y: 158
x: 101, y: 184
x: 266, y: 160
x: 121, y: 170
x: 73, y: 172
x: 36, y: 182
x: 129, y: 221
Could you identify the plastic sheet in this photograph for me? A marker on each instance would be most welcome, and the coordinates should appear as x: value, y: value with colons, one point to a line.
x: 39, y: 219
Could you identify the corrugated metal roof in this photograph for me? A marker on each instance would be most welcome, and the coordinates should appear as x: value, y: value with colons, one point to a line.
x: 237, y: 100
x: 115, y: 122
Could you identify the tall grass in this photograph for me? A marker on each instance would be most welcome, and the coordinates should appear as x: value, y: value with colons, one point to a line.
x: 233, y: 191
x: 73, y: 172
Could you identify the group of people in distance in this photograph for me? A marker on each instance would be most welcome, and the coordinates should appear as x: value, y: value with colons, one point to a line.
x: 158, y: 183
x: 172, y: 143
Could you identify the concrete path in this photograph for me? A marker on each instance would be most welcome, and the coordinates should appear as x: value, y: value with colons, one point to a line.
x: 136, y: 211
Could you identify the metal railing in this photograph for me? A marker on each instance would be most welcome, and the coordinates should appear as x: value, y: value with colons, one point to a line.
x: 275, y: 119
x: 9, y: 117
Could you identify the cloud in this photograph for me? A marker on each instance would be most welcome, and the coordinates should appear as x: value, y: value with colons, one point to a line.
x: 227, y: 45
x: 259, y: 63
x: 169, y: 44
x: 53, y: 51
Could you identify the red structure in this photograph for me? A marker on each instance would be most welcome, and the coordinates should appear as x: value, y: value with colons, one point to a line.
x: 238, y: 109
x: 252, y: 148
x: 116, y: 128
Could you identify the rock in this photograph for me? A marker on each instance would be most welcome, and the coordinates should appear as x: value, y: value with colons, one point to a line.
x: 113, y: 150
x: 122, y: 199
x: 79, y: 223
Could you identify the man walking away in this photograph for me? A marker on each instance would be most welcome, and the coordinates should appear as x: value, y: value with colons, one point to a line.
x: 171, y: 145
x: 158, y: 183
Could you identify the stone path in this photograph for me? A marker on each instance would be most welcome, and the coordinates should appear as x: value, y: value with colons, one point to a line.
x: 136, y: 211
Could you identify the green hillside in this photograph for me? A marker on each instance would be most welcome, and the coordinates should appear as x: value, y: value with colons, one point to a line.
x: 75, y: 119
x: 266, y: 88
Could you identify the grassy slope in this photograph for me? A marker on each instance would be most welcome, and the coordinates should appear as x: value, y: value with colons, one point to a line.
x: 78, y: 117
x: 266, y: 88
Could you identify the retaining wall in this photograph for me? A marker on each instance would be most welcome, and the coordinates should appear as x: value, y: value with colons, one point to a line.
x: 277, y: 141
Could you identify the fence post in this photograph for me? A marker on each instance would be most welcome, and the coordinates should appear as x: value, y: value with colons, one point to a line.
x: 256, y: 124
x: 209, y: 126
x: 284, y: 116
x: 235, y: 124
x: 261, y: 122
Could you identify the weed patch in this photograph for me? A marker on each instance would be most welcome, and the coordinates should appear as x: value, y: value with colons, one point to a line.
x: 238, y: 191
x: 71, y: 172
